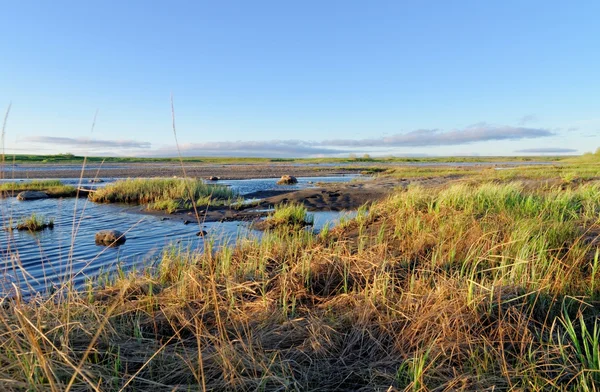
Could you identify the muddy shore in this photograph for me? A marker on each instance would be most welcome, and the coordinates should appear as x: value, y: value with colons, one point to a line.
x: 325, y: 197
x: 330, y: 197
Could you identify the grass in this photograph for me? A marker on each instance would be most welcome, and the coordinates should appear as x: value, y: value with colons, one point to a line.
x: 584, y: 168
x: 54, y: 188
x: 163, y: 194
x: 34, y: 223
x: 473, y: 286
x: 70, y: 158
x: 289, y: 215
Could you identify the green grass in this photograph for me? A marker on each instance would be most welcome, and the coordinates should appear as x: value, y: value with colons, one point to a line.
x: 288, y: 215
x: 412, y: 172
x: 61, y: 191
x: 35, y: 222
x: 479, y: 285
x: 567, y: 171
x: 70, y: 158
x: 163, y: 194
x: 30, y: 186
x: 54, y: 188
x: 169, y: 206
x: 588, y: 157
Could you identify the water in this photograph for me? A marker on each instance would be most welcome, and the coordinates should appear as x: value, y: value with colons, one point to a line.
x: 48, y: 257
x: 330, y: 218
x: 35, y: 262
x: 244, y: 187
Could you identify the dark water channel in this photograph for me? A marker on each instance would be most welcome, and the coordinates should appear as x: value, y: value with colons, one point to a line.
x: 35, y: 262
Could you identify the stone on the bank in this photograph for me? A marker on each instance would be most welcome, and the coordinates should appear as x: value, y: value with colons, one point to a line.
x: 287, y: 180
x: 31, y: 195
x: 213, y: 178
x: 110, y: 238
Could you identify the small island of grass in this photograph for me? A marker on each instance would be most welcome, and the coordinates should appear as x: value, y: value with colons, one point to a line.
x: 53, y: 188
x: 34, y: 223
x: 163, y: 194
x: 289, y: 215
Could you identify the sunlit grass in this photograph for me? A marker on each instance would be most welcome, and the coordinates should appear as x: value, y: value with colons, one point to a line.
x: 583, y: 168
x: 34, y: 222
x: 54, y: 188
x: 288, y: 215
x: 30, y: 186
x: 163, y: 194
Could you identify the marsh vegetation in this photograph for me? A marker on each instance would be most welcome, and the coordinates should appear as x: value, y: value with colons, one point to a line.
x: 71, y: 158
x: 478, y: 284
x: 292, y: 216
x: 32, y: 223
x: 163, y: 194
x: 53, y: 188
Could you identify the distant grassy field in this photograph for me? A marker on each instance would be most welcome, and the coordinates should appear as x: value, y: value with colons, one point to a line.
x: 582, y: 167
x: 69, y: 158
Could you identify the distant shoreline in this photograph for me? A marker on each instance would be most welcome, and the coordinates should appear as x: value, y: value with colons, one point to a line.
x: 232, y: 169
x: 70, y: 158
x: 146, y: 170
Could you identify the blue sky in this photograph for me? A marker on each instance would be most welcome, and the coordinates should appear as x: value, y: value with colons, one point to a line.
x: 304, y: 78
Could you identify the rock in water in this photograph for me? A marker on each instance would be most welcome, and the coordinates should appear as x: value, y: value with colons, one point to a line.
x: 213, y: 178
x: 287, y: 180
x: 110, y: 238
x: 32, y: 195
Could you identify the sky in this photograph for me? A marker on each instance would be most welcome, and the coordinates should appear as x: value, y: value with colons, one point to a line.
x: 300, y: 79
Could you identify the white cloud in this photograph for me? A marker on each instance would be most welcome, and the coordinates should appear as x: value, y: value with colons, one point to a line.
x: 528, y: 118
x: 434, y: 137
x: 549, y: 150
x: 87, y: 143
x: 297, y: 148
x: 270, y: 148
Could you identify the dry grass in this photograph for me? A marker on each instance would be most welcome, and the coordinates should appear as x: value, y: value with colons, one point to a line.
x: 472, y: 287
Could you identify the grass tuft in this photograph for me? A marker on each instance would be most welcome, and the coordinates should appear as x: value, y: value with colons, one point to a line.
x: 54, y: 188
x: 287, y: 215
x: 163, y: 194
x: 35, y: 222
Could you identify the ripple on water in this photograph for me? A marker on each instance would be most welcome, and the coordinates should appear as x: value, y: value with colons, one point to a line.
x: 36, y: 261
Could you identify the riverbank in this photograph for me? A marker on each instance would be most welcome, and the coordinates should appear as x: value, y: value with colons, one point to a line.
x: 324, y: 197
